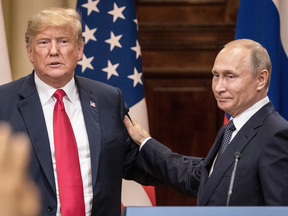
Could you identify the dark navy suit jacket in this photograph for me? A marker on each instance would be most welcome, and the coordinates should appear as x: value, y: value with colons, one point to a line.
x: 262, y: 172
x: 112, y: 151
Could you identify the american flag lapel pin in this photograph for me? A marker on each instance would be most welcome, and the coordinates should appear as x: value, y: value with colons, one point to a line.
x: 92, y: 104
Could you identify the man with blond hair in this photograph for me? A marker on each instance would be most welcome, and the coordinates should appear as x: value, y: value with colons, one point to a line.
x: 241, y: 77
x: 80, y: 146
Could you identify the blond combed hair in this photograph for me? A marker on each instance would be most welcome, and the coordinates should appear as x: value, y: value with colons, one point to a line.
x: 54, y: 17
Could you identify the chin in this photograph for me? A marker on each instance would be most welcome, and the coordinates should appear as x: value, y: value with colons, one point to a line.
x: 223, y: 107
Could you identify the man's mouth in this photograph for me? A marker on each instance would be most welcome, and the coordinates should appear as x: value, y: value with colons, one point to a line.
x: 54, y: 64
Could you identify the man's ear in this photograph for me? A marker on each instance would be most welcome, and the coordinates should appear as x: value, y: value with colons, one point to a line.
x: 80, y: 52
x: 30, y: 53
x: 262, y: 79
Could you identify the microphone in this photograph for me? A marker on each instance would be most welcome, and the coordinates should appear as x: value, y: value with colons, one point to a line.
x: 236, y: 159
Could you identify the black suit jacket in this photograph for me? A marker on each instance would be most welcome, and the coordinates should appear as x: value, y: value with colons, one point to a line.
x: 262, y: 172
x: 112, y: 152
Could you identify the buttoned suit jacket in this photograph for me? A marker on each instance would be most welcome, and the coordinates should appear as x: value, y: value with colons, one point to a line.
x: 112, y: 152
x: 261, y: 175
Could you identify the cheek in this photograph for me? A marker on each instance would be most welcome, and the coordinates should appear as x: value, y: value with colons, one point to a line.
x: 213, y: 86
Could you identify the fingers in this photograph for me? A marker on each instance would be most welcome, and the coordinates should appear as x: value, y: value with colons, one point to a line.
x: 19, y: 156
x: 29, y: 205
x: 127, y: 121
x: 14, y: 154
x: 28, y: 195
x: 136, y: 130
x: 5, y: 133
x: 18, y: 195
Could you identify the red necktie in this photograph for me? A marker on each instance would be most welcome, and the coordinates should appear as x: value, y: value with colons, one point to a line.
x: 67, y: 161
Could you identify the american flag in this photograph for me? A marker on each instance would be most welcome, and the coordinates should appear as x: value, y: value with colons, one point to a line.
x: 112, y: 55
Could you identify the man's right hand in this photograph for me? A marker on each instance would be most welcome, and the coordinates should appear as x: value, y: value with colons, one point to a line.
x: 136, y: 131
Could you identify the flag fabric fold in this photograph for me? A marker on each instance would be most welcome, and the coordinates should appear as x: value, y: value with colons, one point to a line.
x: 266, y: 21
x: 5, y: 72
x: 112, y: 55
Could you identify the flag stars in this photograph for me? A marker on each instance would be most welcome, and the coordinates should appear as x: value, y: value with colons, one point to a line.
x: 91, y: 6
x: 89, y: 34
x: 86, y: 63
x: 117, y: 12
x: 114, y: 41
x: 111, y: 70
x: 137, y: 49
x: 136, y: 77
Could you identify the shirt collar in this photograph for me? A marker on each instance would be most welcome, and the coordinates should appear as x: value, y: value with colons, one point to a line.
x: 46, y: 92
x: 241, y: 119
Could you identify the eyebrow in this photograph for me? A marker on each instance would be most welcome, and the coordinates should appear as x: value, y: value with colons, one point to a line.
x: 224, y: 72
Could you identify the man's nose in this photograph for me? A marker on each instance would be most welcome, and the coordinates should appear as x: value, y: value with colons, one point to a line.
x: 54, y: 49
x: 220, y: 85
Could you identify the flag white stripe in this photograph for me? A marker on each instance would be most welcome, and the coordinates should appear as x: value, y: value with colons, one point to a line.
x: 133, y: 194
x: 282, y: 7
x: 139, y: 112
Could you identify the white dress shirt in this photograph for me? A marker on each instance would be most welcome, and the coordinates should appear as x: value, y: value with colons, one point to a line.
x: 74, y: 111
x: 241, y: 119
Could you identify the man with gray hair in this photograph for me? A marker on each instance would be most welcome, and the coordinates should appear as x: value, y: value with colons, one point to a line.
x: 241, y: 77
x: 80, y: 147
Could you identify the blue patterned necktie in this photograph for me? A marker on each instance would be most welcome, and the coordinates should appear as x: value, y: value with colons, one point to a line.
x: 230, y: 127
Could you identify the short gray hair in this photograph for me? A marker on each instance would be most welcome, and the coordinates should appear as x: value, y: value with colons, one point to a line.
x: 260, y: 59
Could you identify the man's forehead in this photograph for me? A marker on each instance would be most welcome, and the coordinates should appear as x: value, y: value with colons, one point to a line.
x: 66, y: 31
x: 230, y: 59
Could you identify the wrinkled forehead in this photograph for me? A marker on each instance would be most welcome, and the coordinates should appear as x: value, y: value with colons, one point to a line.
x: 55, y: 31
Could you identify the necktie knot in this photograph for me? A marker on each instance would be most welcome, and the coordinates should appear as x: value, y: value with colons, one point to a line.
x: 230, y: 126
x: 59, y: 94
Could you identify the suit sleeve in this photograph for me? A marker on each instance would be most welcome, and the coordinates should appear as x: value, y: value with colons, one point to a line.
x: 131, y: 150
x: 273, y: 170
x: 181, y: 173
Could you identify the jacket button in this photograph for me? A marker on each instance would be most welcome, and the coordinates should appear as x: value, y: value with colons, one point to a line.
x: 50, y: 208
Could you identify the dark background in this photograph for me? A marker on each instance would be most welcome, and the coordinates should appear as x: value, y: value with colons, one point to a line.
x: 180, y: 40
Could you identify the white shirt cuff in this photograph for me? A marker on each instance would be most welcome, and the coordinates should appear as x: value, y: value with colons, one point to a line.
x: 143, y: 143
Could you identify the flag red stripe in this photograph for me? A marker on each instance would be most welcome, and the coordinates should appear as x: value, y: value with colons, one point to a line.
x: 151, y: 194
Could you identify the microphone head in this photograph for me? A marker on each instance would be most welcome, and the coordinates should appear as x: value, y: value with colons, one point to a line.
x: 237, y: 155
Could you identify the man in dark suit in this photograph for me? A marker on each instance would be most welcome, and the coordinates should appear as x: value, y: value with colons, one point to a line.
x: 106, y: 153
x: 241, y: 77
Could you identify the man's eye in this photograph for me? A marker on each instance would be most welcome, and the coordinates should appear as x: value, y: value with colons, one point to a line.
x: 43, y: 43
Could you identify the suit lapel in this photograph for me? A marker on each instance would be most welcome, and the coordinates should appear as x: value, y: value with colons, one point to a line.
x: 214, y: 149
x: 33, y: 117
x: 90, y: 108
x: 226, y: 161
x: 240, y: 141
x: 202, y: 194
